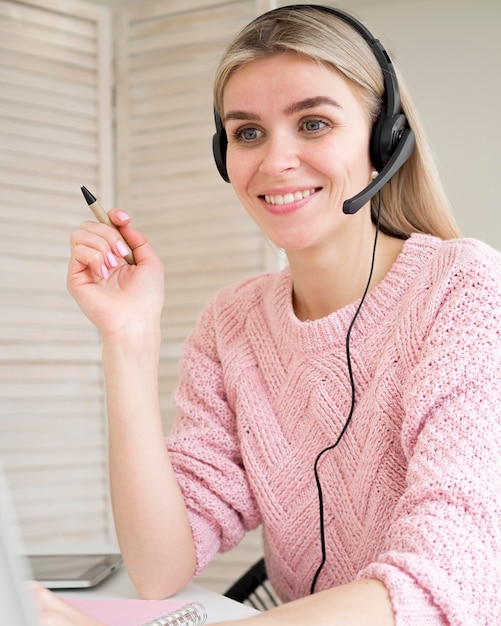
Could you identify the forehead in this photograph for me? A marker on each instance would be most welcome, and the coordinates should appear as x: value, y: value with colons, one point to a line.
x: 274, y: 82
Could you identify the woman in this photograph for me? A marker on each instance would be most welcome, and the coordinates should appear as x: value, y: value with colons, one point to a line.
x: 349, y: 403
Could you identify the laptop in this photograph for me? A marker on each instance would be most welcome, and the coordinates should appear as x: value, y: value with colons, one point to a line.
x: 16, y: 603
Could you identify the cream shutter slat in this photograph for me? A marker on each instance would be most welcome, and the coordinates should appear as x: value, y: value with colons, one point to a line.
x: 166, y: 176
x: 167, y: 180
x: 55, y: 116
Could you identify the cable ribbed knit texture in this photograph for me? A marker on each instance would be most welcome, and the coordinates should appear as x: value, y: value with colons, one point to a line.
x: 413, y: 491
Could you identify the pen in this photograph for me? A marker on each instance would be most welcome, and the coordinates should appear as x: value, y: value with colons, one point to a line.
x: 102, y: 217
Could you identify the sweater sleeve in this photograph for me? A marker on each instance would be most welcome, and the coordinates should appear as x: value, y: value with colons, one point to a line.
x: 443, y: 562
x: 205, y: 451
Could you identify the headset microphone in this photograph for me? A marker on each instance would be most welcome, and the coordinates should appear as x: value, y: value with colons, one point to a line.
x: 402, y: 152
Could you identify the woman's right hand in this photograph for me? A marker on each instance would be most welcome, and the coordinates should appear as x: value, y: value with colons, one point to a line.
x: 113, y: 294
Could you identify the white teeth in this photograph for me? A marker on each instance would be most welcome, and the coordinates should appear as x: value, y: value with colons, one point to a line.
x: 289, y: 197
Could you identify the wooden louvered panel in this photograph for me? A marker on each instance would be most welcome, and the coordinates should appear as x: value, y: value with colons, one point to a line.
x: 53, y: 450
x: 55, y: 101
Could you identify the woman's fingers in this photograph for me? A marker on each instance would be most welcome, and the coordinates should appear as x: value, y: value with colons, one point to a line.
x: 100, y: 237
x: 98, y: 246
x: 54, y: 611
x: 136, y: 240
x: 119, y: 217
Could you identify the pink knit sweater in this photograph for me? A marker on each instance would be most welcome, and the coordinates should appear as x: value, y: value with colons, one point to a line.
x: 413, y: 491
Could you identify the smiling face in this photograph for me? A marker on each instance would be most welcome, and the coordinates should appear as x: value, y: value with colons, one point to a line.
x: 298, y: 146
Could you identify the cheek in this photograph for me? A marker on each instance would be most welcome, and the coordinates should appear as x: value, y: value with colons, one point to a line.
x: 327, y: 156
x: 239, y: 168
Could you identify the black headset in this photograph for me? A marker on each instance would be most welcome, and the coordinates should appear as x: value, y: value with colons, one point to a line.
x: 392, y: 142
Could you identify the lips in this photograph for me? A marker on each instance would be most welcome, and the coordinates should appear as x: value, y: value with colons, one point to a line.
x: 288, y: 198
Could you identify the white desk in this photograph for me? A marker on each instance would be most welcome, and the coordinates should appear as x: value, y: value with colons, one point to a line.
x: 118, y: 585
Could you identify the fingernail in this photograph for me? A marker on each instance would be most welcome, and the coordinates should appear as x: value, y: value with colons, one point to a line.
x: 112, y: 260
x: 122, y: 249
x: 104, y: 271
x: 122, y: 216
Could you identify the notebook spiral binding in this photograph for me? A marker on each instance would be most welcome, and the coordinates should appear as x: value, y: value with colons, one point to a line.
x: 192, y: 614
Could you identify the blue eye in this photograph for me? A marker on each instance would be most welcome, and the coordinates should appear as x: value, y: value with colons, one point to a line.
x: 313, y: 126
x: 247, y: 135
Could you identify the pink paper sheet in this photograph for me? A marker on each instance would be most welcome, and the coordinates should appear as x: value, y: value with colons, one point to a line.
x: 124, y: 612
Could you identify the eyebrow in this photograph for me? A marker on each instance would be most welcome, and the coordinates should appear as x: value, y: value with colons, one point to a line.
x: 311, y: 103
x: 295, y: 107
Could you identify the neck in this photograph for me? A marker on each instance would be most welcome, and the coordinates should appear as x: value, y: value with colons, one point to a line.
x: 325, y: 283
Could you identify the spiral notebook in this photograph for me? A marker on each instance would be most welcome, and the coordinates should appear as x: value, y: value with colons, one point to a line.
x: 141, y: 612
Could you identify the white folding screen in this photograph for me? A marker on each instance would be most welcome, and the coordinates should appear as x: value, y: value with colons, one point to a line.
x: 55, y: 121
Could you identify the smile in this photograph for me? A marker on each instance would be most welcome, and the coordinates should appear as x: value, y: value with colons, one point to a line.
x: 289, y: 198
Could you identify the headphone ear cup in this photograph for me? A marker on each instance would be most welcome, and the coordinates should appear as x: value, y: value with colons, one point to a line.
x: 219, y: 147
x: 386, y: 134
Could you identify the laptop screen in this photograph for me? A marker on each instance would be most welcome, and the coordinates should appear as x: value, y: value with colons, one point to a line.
x: 15, y: 601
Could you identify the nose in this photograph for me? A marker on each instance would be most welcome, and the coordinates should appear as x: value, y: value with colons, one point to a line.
x: 280, y: 154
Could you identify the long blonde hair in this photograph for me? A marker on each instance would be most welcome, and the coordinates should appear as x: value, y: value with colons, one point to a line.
x: 414, y: 200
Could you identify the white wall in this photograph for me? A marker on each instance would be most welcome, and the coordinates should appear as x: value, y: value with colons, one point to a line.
x: 449, y: 52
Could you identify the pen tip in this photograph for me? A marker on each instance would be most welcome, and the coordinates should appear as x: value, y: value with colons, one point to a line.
x: 87, y: 195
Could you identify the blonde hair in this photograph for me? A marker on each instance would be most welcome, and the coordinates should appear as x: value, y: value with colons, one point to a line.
x: 414, y: 199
